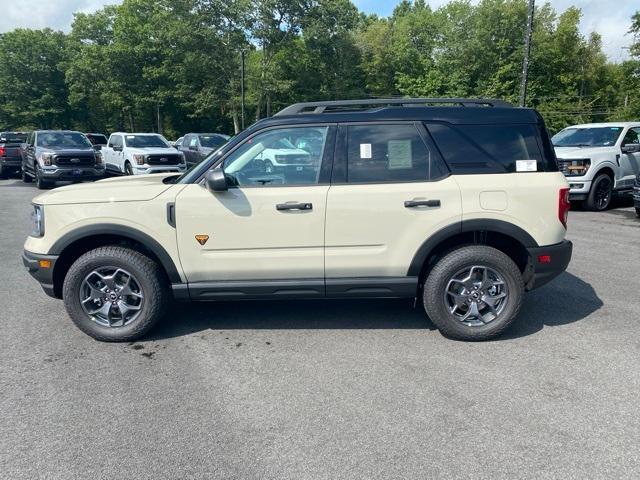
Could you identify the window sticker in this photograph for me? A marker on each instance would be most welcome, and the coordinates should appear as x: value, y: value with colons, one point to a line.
x: 365, y: 150
x: 526, y: 166
x: 399, y: 154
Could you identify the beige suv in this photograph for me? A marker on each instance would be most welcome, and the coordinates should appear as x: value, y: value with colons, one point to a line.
x: 456, y: 202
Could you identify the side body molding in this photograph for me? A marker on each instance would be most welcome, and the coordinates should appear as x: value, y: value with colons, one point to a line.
x: 113, y: 229
x: 475, y: 225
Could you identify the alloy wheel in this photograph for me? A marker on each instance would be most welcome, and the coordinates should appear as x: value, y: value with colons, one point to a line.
x: 603, y: 193
x: 111, y: 296
x: 476, y: 296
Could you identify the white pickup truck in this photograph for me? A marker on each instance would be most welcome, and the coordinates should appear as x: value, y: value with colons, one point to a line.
x: 141, y: 153
x: 599, y: 160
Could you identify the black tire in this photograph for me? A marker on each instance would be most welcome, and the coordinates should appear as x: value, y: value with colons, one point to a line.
x: 148, y: 274
x: 600, y: 194
x: 638, y: 212
x: 40, y: 183
x: 26, y: 178
x: 437, y: 281
x: 127, y: 169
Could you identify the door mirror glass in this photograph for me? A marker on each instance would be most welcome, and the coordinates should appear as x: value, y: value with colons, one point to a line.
x: 630, y: 148
x: 216, y: 180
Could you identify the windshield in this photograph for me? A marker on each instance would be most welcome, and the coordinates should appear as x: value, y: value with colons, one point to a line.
x: 212, y: 141
x: 145, y: 141
x: 63, y: 139
x: 587, y: 137
x: 13, y: 137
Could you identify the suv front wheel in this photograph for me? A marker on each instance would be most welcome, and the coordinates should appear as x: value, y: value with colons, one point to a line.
x: 473, y: 293
x: 115, y: 294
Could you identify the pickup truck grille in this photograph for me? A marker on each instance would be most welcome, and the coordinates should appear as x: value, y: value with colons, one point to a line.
x: 82, y: 160
x: 168, y: 159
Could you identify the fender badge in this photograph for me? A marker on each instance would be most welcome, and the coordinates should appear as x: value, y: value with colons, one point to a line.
x: 202, y: 239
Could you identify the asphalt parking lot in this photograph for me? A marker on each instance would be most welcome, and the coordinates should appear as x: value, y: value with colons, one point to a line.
x: 329, y: 390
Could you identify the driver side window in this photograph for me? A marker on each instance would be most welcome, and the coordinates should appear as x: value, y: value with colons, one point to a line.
x: 281, y: 156
x: 632, y: 137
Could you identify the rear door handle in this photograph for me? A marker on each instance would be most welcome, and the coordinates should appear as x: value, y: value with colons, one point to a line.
x: 294, y: 206
x: 421, y: 203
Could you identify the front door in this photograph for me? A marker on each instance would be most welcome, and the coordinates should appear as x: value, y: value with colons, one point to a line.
x: 268, y: 228
x: 630, y: 162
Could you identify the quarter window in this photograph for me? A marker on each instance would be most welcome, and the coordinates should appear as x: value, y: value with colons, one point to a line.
x: 283, y: 156
x: 386, y: 153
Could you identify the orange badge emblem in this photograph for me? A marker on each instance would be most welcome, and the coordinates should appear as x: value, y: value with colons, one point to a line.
x: 202, y: 239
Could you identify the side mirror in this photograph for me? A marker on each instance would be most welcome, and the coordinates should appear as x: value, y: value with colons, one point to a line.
x: 630, y: 148
x: 216, y: 181
x: 117, y: 149
x: 97, y: 148
x: 193, y: 147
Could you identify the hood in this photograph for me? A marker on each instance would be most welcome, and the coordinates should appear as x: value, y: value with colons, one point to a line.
x: 66, y: 150
x: 121, y: 189
x: 584, y: 152
x: 152, y: 150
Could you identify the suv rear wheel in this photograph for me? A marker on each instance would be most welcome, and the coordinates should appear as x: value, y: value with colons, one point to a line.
x: 473, y: 293
x: 115, y: 294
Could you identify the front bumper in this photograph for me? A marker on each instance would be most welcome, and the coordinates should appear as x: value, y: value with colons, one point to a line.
x: 579, y: 188
x: 145, y: 169
x: 72, y: 173
x: 546, y: 263
x: 41, y: 267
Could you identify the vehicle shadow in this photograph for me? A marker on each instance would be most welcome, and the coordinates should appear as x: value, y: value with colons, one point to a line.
x: 566, y: 300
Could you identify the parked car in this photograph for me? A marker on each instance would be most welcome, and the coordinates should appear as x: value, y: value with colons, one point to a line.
x: 599, y: 160
x: 197, y: 146
x: 176, y: 143
x: 636, y: 195
x: 10, y: 152
x: 60, y: 155
x: 463, y: 209
x: 98, y: 140
x: 141, y: 153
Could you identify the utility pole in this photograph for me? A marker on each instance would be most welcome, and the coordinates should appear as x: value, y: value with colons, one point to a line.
x: 159, y: 117
x: 527, y: 51
x: 242, y: 87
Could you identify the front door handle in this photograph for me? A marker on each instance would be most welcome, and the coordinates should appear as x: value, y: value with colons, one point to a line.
x: 421, y: 203
x: 294, y: 206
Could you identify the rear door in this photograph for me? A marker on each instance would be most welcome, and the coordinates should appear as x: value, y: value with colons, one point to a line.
x: 390, y: 192
x: 266, y: 233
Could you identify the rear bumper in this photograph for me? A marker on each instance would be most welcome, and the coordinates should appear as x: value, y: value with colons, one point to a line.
x: 39, y: 271
x: 10, y: 164
x: 547, y: 262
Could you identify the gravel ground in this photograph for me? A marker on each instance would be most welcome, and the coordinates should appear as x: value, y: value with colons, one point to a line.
x: 329, y: 390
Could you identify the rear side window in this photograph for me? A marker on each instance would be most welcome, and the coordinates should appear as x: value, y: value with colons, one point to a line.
x: 469, y: 149
x: 387, y: 153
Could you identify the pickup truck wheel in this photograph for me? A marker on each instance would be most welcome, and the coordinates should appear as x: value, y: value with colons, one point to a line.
x: 638, y: 212
x: 40, y: 183
x: 473, y: 293
x: 26, y: 178
x: 127, y: 169
x: 601, y: 193
x: 115, y: 294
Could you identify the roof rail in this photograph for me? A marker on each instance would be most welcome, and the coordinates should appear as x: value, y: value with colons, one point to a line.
x: 343, y: 105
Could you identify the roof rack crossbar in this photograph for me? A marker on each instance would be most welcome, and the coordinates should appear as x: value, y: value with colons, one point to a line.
x: 321, y: 107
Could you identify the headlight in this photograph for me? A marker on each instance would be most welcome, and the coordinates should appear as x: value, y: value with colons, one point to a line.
x: 578, y: 167
x: 98, y: 158
x: 182, y: 159
x: 37, y: 215
x: 46, y: 159
x: 138, y: 158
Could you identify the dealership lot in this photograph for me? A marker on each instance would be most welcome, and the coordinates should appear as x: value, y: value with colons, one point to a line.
x: 363, y: 389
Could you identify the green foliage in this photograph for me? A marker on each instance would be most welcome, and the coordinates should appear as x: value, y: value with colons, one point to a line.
x: 174, y: 65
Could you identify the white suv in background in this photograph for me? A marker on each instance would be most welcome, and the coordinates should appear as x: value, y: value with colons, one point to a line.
x: 599, y: 159
x: 140, y: 153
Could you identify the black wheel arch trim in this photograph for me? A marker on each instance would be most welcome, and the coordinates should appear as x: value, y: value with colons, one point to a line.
x: 124, y: 231
x: 481, y: 225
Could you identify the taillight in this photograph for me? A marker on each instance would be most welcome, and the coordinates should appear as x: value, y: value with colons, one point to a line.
x: 564, y: 205
x: 2, y: 152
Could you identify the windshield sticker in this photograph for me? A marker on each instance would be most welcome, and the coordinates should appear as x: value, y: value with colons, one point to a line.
x: 526, y: 166
x: 365, y: 150
x: 399, y: 154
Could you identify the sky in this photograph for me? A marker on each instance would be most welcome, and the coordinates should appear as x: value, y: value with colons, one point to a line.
x: 612, y: 22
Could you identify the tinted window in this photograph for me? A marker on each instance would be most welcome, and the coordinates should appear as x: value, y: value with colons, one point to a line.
x: 97, y: 139
x: 212, y: 141
x: 587, y: 137
x: 487, y: 148
x: 271, y: 158
x: 386, y: 153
